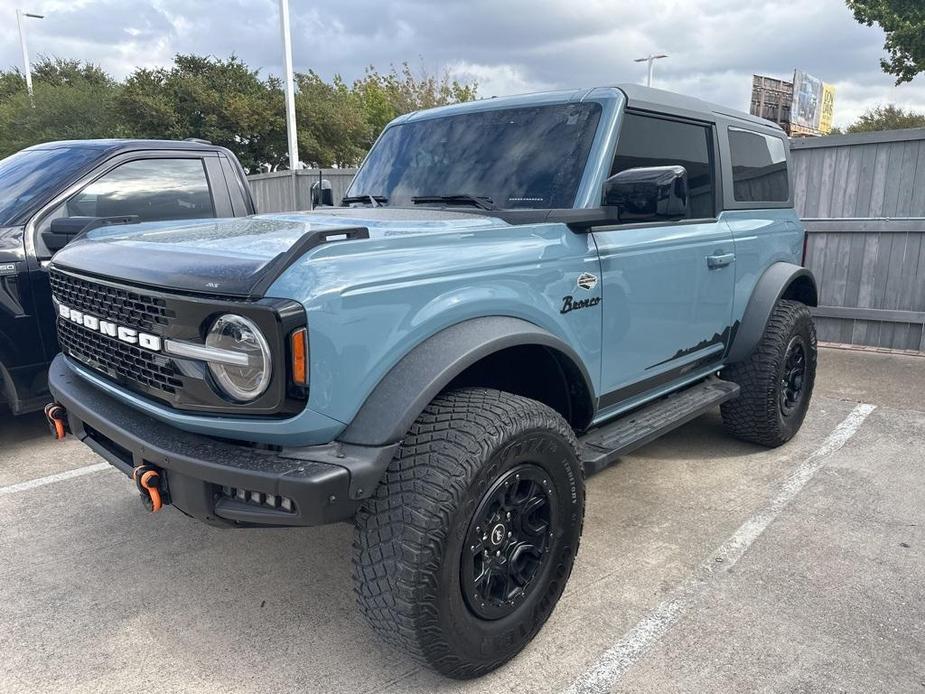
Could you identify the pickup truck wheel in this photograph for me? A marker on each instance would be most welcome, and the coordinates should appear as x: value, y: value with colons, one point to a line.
x: 776, y: 381
x: 465, y: 548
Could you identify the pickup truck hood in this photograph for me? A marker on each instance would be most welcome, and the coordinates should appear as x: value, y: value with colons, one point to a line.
x: 234, y: 257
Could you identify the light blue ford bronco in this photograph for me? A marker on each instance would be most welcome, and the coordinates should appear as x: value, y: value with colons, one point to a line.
x: 514, y: 293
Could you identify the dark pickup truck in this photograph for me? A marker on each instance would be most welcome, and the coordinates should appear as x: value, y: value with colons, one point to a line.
x: 52, y: 192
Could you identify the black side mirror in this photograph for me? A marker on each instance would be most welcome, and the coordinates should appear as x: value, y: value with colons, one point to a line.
x: 322, y: 194
x: 648, y: 194
x: 63, y: 230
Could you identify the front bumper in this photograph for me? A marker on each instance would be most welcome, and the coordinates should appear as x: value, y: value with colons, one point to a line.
x: 205, y: 477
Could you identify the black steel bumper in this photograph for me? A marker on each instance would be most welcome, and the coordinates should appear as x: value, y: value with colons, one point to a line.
x: 217, y: 481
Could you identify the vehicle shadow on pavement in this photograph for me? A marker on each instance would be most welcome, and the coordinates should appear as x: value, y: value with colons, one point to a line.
x: 697, y: 440
x: 27, y: 428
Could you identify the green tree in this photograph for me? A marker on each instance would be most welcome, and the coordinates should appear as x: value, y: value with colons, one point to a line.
x: 11, y: 84
x: 904, y: 24
x: 223, y: 101
x: 72, y: 100
x: 887, y: 117
x: 331, y: 124
x: 63, y: 72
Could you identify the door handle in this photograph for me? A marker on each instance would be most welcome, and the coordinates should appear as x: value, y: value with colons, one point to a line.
x: 722, y: 260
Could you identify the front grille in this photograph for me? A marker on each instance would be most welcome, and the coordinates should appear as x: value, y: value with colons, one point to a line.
x: 119, y: 360
x: 181, y: 383
x: 122, y: 305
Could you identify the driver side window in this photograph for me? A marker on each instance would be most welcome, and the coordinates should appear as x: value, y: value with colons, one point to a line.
x: 153, y: 189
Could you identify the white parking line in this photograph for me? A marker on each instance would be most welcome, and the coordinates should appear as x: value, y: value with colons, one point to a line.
x: 614, y: 663
x: 51, y: 479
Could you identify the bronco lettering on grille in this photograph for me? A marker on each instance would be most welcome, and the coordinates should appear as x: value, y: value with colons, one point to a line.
x: 119, y: 332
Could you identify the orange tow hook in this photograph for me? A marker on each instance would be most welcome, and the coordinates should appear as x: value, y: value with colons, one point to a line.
x: 147, y: 479
x: 57, y: 419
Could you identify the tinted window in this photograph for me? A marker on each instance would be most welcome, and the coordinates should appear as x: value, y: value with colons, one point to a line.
x: 30, y: 177
x: 646, y: 141
x: 759, y: 167
x: 153, y: 189
x: 520, y: 158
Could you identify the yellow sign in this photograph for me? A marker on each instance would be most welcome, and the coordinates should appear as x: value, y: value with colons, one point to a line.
x: 827, y: 112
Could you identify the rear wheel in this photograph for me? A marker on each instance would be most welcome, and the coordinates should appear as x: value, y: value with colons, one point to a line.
x: 776, y: 381
x: 465, y: 549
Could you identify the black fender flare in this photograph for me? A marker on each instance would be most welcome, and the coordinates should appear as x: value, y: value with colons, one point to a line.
x: 781, y: 280
x: 429, y: 367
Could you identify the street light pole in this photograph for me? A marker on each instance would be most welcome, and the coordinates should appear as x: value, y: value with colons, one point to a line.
x: 290, y: 86
x: 650, y: 59
x: 22, y: 44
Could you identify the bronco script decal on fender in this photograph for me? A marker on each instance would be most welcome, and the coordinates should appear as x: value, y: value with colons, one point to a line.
x: 570, y: 303
x: 585, y: 281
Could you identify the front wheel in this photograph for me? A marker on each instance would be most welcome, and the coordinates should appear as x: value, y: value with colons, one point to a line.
x: 466, y: 546
x: 776, y: 381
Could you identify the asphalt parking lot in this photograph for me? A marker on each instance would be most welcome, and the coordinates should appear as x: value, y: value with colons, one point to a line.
x: 706, y: 565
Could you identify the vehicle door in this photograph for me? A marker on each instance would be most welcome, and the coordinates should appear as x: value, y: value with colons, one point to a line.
x: 667, y: 285
x: 154, y: 186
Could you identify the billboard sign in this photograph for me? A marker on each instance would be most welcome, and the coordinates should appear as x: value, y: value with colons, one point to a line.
x: 828, y: 109
x: 813, y: 104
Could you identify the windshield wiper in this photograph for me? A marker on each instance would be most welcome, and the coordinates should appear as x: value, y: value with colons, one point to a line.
x: 374, y: 200
x: 481, y: 201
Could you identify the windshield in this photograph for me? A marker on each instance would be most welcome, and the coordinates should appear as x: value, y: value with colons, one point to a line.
x: 28, y: 177
x: 513, y: 158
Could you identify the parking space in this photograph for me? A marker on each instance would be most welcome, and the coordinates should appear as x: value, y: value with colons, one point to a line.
x: 706, y: 564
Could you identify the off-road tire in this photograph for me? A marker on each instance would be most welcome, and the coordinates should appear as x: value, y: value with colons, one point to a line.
x: 757, y: 415
x: 410, y: 535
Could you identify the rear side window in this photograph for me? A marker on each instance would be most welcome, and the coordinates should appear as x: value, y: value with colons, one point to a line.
x: 647, y: 141
x: 759, y: 167
x: 153, y: 189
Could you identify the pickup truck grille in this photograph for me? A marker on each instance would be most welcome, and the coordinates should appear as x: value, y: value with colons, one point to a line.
x: 124, y: 306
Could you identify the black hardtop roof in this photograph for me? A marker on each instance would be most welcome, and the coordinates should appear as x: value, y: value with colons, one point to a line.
x: 663, y: 101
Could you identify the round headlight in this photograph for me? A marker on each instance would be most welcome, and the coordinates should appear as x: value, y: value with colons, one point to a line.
x: 239, y: 335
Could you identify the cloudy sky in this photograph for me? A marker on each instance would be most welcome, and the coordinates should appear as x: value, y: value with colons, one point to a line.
x: 509, y: 46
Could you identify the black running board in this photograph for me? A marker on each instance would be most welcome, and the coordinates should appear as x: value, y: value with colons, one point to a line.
x: 603, y: 446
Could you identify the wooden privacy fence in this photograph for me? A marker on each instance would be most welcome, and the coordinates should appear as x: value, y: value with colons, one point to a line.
x: 862, y: 198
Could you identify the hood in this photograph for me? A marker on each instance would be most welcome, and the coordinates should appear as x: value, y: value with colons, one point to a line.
x: 239, y: 257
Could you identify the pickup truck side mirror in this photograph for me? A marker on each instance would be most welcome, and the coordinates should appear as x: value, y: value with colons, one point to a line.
x: 63, y: 230
x: 648, y: 194
x: 322, y: 194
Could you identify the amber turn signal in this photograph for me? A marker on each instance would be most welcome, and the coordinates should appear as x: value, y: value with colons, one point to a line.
x: 298, y: 343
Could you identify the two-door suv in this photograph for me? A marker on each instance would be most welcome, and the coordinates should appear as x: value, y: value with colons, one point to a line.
x: 515, y: 292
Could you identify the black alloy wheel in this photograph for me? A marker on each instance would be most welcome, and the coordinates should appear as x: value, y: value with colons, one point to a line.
x: 508, y: 542
x: 793, y: 376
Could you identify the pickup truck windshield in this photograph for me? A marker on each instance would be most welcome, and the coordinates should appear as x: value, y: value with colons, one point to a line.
x: 28, y: 177
x: 513, y: 158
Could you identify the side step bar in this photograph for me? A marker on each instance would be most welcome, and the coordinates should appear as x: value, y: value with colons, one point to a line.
x: 602, y: 447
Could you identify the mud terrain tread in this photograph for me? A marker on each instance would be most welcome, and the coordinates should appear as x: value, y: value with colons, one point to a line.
x: 402, y: 529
